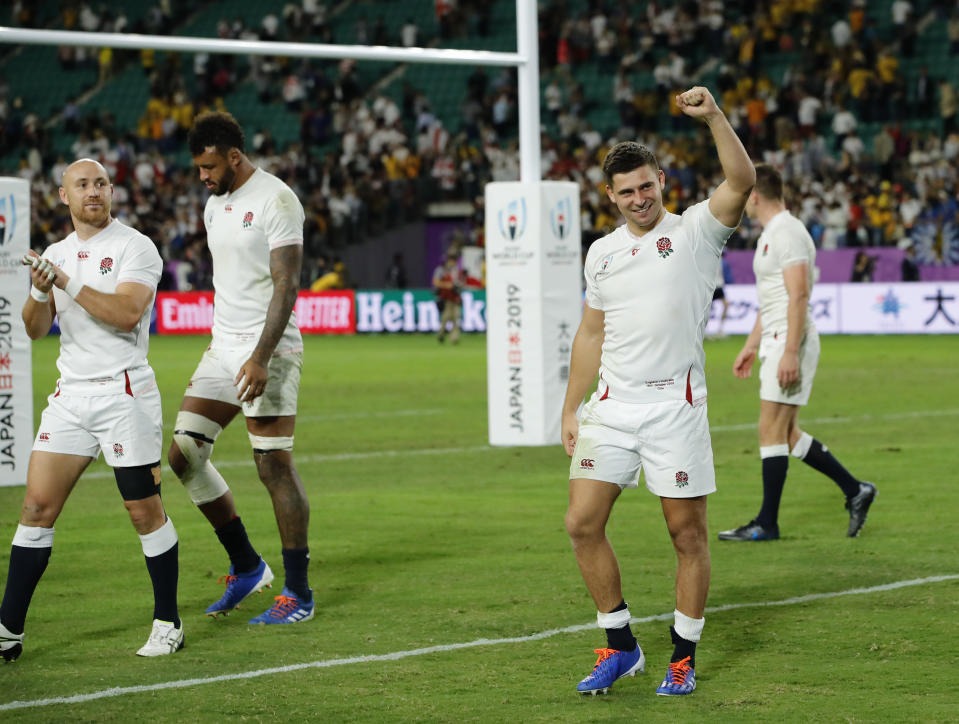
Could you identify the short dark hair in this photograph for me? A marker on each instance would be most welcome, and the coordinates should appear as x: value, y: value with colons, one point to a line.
x: 218, y: 129
x: 626, y: 156
x: 769, y: 182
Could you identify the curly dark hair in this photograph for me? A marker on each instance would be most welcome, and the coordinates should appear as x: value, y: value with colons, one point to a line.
x: 626, y: 156
x: 218, y: 129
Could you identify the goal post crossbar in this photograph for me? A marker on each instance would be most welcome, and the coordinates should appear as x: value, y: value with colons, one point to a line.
x: 188, y: 44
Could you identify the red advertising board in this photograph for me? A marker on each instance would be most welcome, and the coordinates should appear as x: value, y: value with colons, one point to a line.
x: 331, y: 312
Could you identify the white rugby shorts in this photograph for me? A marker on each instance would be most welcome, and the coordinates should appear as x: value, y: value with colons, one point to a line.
x: 669, y: 441
x: 771, y: 352
x: 129, y: 430
x: 214, y: 376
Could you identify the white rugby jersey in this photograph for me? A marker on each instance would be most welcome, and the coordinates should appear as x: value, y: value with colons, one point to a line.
x: 95, y: 356
x: 783, y: 243
x: 655, y: 291
x: 242, y: 227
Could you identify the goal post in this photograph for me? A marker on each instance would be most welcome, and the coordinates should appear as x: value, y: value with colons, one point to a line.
x: 535, y: 269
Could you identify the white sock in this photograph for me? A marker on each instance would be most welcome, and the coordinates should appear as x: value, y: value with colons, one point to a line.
x: 690, y: 629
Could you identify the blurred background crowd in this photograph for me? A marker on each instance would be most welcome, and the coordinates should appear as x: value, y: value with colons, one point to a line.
x: 856, y: 102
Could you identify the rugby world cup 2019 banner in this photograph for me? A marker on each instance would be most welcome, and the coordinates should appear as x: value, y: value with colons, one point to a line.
x: 331, y: 312
x: 534, y: 305
x: 16, y: 372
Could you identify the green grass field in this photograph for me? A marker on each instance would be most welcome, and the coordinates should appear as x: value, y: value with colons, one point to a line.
x: 423, y: 536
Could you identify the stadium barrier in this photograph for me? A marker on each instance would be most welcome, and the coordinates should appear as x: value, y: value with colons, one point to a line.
x: 893, y: 308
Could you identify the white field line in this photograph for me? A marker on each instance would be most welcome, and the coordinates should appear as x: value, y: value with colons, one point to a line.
x: 397, y: 655
x: 336, y: 457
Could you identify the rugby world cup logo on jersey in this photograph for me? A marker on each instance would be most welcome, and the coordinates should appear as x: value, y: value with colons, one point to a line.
x: 512, y: 219
x: 247, y: 219
x: 560, y: 218
x: 664, y: 246
x: 106, y: 265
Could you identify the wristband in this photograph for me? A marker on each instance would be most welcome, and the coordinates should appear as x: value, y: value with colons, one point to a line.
x: 38, y: 295
x: 73, y: 287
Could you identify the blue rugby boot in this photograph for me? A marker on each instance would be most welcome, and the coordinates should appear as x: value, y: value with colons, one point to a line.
x: 287, y: 608
x: 610, y: 666
x: 239, y: 587
x: 680, y: 679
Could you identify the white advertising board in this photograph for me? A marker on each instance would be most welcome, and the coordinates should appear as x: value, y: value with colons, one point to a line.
x: 16, y: 372
x: 533, y: 306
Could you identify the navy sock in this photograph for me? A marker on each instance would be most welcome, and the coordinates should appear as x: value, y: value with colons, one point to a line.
x: 164, y: 571
x: 26, y: 567
x: 682, y: 648
x: 774, y: 479
x: 819, y: 458
x: 296, y: 562
x: 621, y: 639
x: 243, y: 556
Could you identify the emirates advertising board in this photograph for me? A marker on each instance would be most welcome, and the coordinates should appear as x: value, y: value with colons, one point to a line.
x: 16, y: 370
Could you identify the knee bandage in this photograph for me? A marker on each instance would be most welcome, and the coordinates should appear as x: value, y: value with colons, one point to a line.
x: 263, y: 445
x: 195, y: 435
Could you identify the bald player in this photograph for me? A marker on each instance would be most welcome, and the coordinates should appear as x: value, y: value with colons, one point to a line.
x: 100, y: 282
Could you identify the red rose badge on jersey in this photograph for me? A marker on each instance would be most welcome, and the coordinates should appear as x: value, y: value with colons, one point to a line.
x: 664, y: 246
x: 106, y: 265
x: 682, y: 479
x: 247, y: 219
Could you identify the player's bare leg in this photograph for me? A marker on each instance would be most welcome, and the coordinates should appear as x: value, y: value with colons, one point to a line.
x: 249, y: 573
x: 50, y: 479
x: 686, y: 521
x: 272, y: 439
x: 590, y: 503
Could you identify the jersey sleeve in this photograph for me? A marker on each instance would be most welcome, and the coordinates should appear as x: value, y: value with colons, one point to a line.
x: 141, y: 263
x: 707, y: 231
x: 284, y: 217
x: 593, y: 297
x: 792, y: 246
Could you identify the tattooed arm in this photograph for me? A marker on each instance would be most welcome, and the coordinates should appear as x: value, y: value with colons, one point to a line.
x: 285, y: 262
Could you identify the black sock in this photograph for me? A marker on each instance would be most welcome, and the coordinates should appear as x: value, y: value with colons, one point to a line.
x: 296, y: 562
x: 682, y: 648
x: 164, y: 571
x: 774, y: 478
x: 621, y: 639
x: 819, y: 458
x: 26, y: 567
x: 243, y: 556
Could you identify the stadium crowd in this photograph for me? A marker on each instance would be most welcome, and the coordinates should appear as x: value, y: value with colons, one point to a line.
x: 867, y: 152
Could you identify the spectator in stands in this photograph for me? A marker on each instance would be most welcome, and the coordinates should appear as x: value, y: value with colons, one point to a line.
x: 863, y: 267
x: 409, y: 34
x: 910, y: 269
x: 396, y: 273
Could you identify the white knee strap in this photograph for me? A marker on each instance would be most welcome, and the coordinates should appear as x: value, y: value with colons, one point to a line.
x: 269, y: 444
x: 29, y: 536
x: 195, y: 435
x: 159, y: 541
x: 802, y: 445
